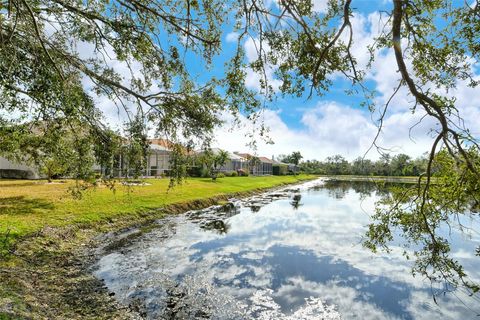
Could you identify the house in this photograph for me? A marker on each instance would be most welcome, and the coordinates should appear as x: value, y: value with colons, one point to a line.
x: 234, y: 162
x: 279, y: 168
x: 293, y: 168
x: 157, y: 161
x: 282, y: 168
x: 12, y: 170
x: 249, y: 161
x: 265, y: 167
x: 258, y: 166
x: 158, y: 158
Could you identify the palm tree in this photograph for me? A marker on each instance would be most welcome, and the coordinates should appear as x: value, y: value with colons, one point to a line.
x: 214, y: 161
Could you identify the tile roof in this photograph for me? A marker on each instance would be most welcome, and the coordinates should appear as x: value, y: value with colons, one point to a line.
x: 167, y: 144
x: 244, y: 155
x: 265, y: 160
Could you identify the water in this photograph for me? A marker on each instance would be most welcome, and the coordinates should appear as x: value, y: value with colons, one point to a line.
x: 290, y: 254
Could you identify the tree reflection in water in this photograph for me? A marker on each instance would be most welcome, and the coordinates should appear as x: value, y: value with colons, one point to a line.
x: 218, y: 226
x: 339, y: 189
x: 296, y: 201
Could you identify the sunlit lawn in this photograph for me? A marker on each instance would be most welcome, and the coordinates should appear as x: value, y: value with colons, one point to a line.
x: 28, y: 206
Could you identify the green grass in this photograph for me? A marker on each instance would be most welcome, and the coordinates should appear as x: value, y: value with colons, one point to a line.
x: 28, y: 206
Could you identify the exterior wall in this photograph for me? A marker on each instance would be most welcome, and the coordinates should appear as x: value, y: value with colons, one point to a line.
x: 266, y: 168
x: 157, y: 163
x: 257, y: 170
x: 262, y: 169
x: 11, y: 170
x: 238, y: 164
x: 280, y: 169
x: 233, y: 165
x: 293, y: 168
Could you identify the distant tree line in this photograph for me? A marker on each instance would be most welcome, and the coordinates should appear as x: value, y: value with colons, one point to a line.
x: 387, y: 165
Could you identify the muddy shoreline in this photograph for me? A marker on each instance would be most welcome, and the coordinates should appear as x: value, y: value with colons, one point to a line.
x: 49, y: 274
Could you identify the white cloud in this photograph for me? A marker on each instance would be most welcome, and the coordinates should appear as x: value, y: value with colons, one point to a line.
x: 115, y: 114
x: 348, y: 300
x: 320, y: 5
x: 339, y: 128
x: 232, y: 37
x: 329, y: 128
x: 332, y: 128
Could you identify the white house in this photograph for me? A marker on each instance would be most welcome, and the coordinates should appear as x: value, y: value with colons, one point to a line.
x: 262, y: 165
x: 234, y: 162
x: 157, y: 163
x: 158, y: 158
x: 12, y: 170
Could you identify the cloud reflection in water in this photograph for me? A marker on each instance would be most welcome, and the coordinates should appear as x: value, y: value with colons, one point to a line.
x: 301, y: 253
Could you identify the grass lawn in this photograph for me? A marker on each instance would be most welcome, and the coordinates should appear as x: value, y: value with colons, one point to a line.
x: 27, y: 206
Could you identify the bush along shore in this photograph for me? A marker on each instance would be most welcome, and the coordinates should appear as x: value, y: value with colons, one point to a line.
x: 49, y: 238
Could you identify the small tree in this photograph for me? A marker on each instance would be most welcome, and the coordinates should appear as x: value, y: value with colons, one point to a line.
x: 219, y: 160
x: 336, y: 165
x: 57, y: 148
x: 401, y: 165
x: 214, y: 162
x: 53, y: 167
x: 295, y: 157
x: 136, y: 150
x: 53, y: 159
x: 252, y: 163
x: 106, y: 151
x: 361, y: 166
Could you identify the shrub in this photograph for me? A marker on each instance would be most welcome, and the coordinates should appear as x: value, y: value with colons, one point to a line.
x: 194, y: 171
x: 242, y: 172
x: 204, y: 173
x: 166, y: 173
x: 231, y: 174
x: 280, y: 170
x: 220, y: 175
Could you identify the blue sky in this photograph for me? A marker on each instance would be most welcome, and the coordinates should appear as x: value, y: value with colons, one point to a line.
x: 334, y: 123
